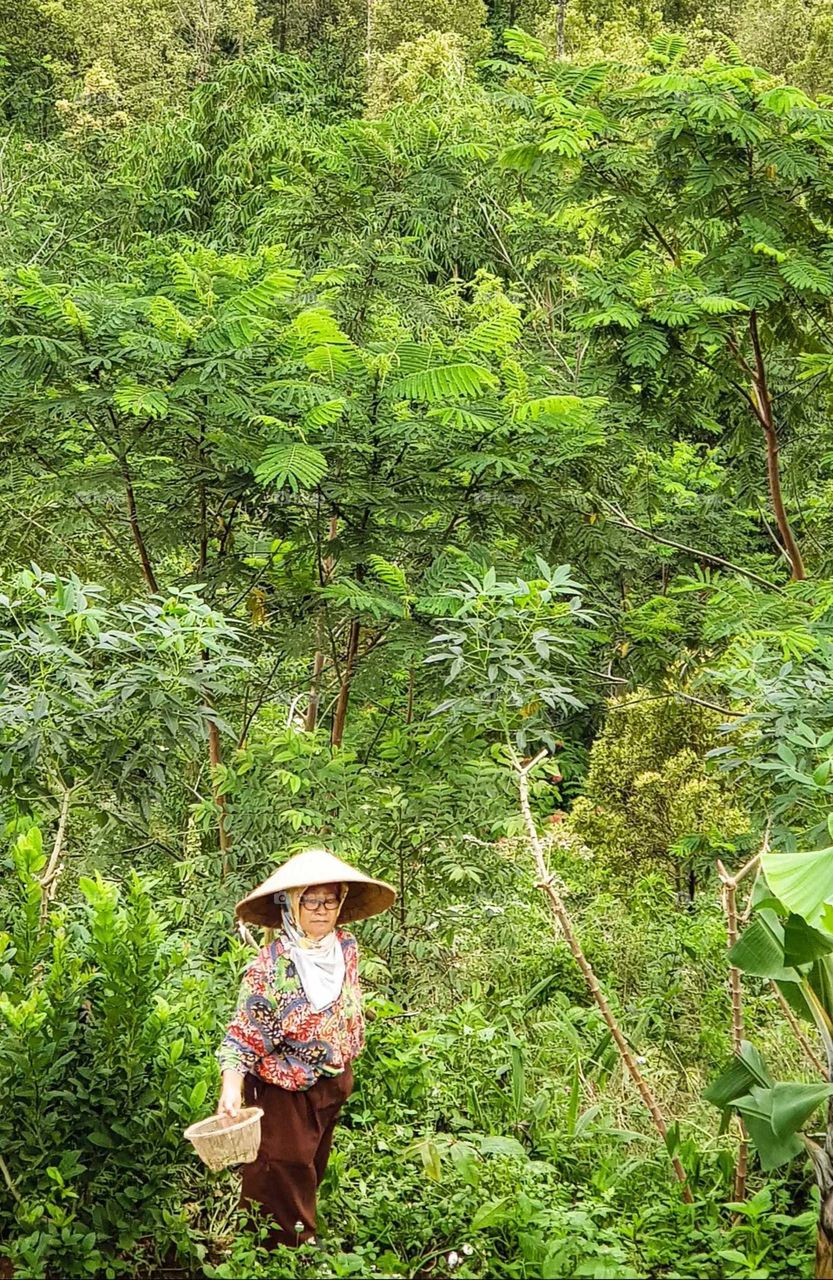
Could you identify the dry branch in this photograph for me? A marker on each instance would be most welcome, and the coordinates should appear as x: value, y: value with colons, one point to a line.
x: 799, y: 1032
x: 546, y: 883
x: 49, y: 879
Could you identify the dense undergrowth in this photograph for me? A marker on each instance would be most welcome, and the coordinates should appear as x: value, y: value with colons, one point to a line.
x: 490, y: 1133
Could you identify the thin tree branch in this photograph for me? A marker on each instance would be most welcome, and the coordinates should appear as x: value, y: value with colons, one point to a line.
x: 626, y: 523
x: 48, y: 880
x: 7, y: 1178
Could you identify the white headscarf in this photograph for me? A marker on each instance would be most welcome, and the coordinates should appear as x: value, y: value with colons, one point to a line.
x: 319, y: 962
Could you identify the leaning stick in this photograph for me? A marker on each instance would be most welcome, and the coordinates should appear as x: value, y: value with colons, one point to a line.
x: 799, y: 1032
x: 546, y: 883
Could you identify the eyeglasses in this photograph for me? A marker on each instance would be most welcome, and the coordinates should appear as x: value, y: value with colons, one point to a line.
x: 329, y: 903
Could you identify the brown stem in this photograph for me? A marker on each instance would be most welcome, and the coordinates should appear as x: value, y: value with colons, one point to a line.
x: 136, y: 528
x: 314, y: 704
x: 226, y: 526
x: 203, y: 519
x: 215, y: 756
x: 122, y: 547
x: 559, y: 910
x: 325, y: 572
x: 703, y: 702
x: 763, y: 400
x: 249, y: 716
x: 340, y: 715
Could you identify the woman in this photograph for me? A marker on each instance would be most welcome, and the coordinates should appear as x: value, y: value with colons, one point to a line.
x: 298, y: 1027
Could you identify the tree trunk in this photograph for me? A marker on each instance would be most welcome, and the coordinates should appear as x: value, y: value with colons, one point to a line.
x: 347, y: 676
x: 311, y: 717
x: 824, y: 1239
x: 763, y: 403
x: 136, y: 528
x: 822, y: 1159
x: 202, y: 518
x: 562, y: 6
x: 325, y: 574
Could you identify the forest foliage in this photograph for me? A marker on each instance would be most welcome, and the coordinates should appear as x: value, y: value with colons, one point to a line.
x: 390, y: 397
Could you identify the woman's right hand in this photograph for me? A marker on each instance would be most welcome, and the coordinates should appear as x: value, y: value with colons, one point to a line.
x: 231, y: 1095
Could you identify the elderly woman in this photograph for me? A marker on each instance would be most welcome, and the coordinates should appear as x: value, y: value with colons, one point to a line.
x: 297, y: 1030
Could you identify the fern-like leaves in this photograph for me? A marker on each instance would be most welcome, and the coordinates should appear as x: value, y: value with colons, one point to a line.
x: 296, y: 466
x: 445, y: 382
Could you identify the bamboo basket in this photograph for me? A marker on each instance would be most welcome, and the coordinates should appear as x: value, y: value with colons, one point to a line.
x: 220, y: 1142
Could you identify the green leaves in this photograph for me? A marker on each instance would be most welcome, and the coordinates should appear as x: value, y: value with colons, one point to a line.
x: 760, y: 948
x: 772, y: 948
x: 444, y: 382
x: 774, y: 1113
x: 787, y: 949
x: 263, y: 298
x: 784, y: 99
x: 140, y: 402
x: 667, y: 49
x: 746, y: 1071
x: 296, y: 466
x: 523, y: 45
x: 804, y: 945
x: 773, y: 1149
x: 645, y: 347
x: 579, y: 411
x: 792, y: 1104
x: 803, y: 882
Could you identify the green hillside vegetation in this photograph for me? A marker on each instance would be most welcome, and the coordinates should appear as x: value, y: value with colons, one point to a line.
x: 415, y: 428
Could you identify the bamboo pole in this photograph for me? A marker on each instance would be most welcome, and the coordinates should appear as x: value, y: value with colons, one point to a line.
x: 729, y: 890
x: 546, y: 883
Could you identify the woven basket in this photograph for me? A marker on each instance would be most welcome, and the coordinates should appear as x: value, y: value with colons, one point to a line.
x: 220, y: 1141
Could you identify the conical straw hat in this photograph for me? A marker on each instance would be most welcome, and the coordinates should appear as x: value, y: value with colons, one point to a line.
x: 365, y: 897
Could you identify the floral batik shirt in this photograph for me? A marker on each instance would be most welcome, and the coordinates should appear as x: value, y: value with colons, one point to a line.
x: 277, y: 1036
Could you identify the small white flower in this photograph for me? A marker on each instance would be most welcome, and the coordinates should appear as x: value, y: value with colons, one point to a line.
x: 468, y: 1250
x: 453, y: 1258
x: 641, y: 1061
x: 299, y: 1226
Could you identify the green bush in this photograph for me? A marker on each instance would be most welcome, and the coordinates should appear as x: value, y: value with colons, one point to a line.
x: 106, y: 1029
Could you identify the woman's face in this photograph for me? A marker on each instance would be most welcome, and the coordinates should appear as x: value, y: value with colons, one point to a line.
x: 319, y: 909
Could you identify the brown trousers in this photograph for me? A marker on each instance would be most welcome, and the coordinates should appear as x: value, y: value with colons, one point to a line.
x: 296, y: 1134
